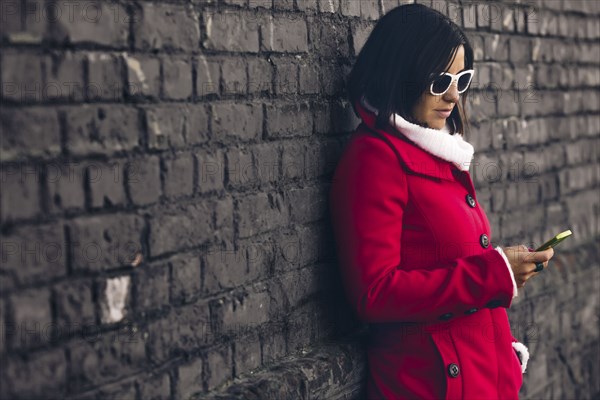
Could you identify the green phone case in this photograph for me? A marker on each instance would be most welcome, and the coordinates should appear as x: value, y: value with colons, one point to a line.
x: 555, y: 240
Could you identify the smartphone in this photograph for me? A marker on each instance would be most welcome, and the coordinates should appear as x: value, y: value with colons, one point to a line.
x: 555, y: 240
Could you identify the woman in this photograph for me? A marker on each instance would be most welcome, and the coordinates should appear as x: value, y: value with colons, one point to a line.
x: 413, y: 242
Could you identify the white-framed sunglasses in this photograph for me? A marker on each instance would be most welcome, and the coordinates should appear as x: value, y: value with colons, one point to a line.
x: 441, y: 83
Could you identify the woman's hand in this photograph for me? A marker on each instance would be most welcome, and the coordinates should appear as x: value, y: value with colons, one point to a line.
x: 522, y: 261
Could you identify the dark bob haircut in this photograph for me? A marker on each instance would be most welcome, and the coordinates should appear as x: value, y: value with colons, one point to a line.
x: 408, y: 46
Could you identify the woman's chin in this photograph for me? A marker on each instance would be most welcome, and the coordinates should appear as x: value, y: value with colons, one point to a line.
x: 436, y: 125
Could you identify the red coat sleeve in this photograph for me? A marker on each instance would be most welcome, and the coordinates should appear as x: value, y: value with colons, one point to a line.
x: 367, y: 198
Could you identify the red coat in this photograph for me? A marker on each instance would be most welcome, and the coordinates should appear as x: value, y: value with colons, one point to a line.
x: 418, y: 269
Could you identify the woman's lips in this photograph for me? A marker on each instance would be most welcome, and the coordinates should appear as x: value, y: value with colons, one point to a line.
x: 443, y: 114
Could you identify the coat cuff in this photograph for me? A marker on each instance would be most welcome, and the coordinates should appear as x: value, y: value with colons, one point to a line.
x: 523, y: 354
x: 510, y: 271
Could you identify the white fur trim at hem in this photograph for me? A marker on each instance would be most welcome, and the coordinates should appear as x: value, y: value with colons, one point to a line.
x: 521, y: 348
x: 512, y: 275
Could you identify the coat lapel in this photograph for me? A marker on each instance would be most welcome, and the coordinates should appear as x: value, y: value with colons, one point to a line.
x: 411, y: 156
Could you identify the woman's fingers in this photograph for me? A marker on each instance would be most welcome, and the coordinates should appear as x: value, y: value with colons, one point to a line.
x: 538, y: 256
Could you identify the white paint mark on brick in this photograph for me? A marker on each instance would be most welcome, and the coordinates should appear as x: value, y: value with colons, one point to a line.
x: 207, y: 71
x: 209, y: 26
x: 115, y: 295
x: 271, y: 28
x: 95, y: 57
x: 134, y: 66
x: 137, y: 260
x: 495, y: 42
x: 507, y: 20
x: 154, y: 126
x: 536, y: 50
x: 24, y: 37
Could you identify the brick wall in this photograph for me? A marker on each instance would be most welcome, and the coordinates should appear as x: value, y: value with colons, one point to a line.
x: 164, y: 170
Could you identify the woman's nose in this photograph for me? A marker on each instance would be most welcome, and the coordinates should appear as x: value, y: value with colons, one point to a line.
x: 452, y: 94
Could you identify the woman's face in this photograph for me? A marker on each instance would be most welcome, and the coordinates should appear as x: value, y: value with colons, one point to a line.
x: 425, y: 110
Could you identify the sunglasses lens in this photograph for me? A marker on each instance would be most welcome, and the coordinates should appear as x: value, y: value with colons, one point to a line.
x: 441, y: 83
x: 463, y: 82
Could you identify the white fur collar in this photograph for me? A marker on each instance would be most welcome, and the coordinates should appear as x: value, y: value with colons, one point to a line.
x: 439, y: 142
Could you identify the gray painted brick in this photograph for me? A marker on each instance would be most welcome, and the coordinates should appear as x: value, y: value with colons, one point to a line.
x: 65, y: 185
x: 287, y: 120
x: 189, y: 379
x: 185, y: 277
x: 231, y: 31
x: 307, y: 5
x: 166, y: 26
x: 235, y: 80
x: 22, y: 76
x: 260, y: 76
x: 184, y: 329
x: 32, y: 319
x: 273, y: 347
x: 179, y: 175
x: 285, y: 34
x: 369, y: 9
x: 97, y: 23
x: 20, y: 196
x: 329, y: 6
x: 308, y: 81
x: 307, y: 204
x: 120, y: 390
x: 286, y: 77
x: 143, y: 180
x: 241, y: 311
x: 105, y: 242
x: 188, y: 226
x: 240, y: 168
x: 331, y: 41
x: 292, y: 162
x: 211, y: 170
x: 65, y: 78
x: 177, y: 78
x: 155, y: 387
x: 104, y: 77
x: 32, y: 254
x: 219, y: 366
x: 44, y: 372
x: 284, y: 5
x: 74, y: 306
x: 243, y: 121
x: 224, y: 268
x: 260, y: 213
x: 29, y: 131
x: 30, y: 29
x: 152, y: 287
x: 247, y: 354
x: 123, y: 351
x: 265, y: 4
x: 175, y: 125
x: 350, y: 8
x: 103, y: 129
x: 106, y: 183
